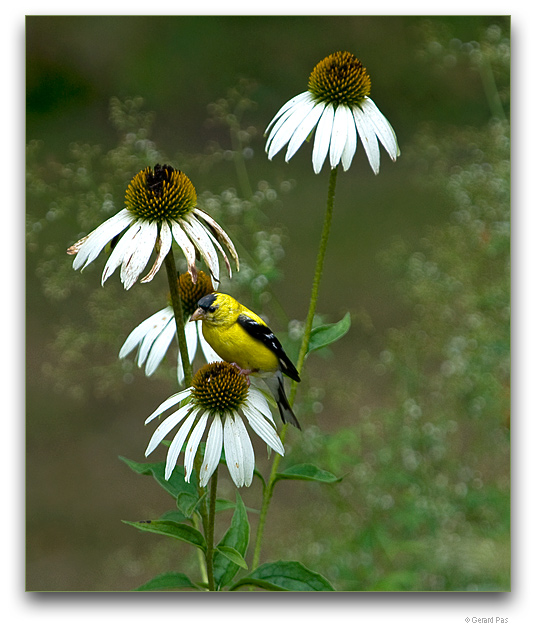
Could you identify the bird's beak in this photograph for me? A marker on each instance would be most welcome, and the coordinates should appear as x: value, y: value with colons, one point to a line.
x: 199, y: 314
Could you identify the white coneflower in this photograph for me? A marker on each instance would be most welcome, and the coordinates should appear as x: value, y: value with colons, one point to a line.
x: 160, y: 206
x: 337, y: 103
x: 154, y: 335
x: 219, y: 395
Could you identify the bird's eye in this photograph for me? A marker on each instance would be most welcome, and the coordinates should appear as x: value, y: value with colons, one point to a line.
x: 212, y: 309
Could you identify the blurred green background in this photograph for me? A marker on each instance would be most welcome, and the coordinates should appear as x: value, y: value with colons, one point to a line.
x: 411, y: 407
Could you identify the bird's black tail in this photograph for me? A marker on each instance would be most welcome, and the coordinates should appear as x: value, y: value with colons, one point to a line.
x: 278, y: 391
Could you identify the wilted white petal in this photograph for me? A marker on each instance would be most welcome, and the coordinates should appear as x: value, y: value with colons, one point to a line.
x: 285, y: 132
x: 383, y: 128
x: 176, y: 444
x: 212, y: 451
x: 165, y: 241
x: 150, y: 337
x: 187, y: 248
x: 368, y: 138
x: 165, y: 427
x: 172, y: 400
x: 160, y: 347
x: 263, y: 428
x: 303, y: 131
x: 193, y: 444
x: 143, y: 245
x: 222, y: 252
x: 158, y: 319
x: 221, y: 235
x: 124, y: 248
x: 88, y: 248
x: 322, y: 138
x: 198, y: 235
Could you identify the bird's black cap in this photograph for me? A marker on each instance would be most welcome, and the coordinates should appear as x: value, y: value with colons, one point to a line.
x: 206, y: 301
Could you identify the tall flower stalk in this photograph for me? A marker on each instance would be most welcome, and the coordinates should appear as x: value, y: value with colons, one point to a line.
x: 338, y: 108
x: 269, y: 488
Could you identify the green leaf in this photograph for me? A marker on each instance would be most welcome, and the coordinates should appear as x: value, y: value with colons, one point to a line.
x: 187, y: 502
x: 285, y: 576
x: 258, y: 583
x: 236, y: 537
x: 167, y: 581
x: 232, y: 554
x: 176, y: 483
x: 307, y: 472
x: 223, y: 505
x: 176, y: 530
x: 174, y: 515
x: 326, y: 334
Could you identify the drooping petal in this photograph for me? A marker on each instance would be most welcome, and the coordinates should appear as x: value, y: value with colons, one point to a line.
x: 322, y: 138
x: 160, y: 347
x: 303, y: 131
x: 193, y: 444
x: 288, y: 105
x: 198, y: 235
x: 212, y: 451
x: 88, y: 248
x: 221, y: 235
x: 165, y: 240
x: 144, y: 243
x: 158, y: 319
x: 172, y: 400
x: 383, y: 128
x: 287, y: 129
x: 187, y: 248
x: 257, y: 398
x: 263, y: 428
x: 191, y: 346
x: 165, y: 427
x: 351, y: 143
x: 150, y: 337
x: 248, y: 455
x: 234, y: 455
x: 339, y: 134
x: 208, y: 231
x: 368, y: 138
x: 176, y: 444
x: 124, y: 248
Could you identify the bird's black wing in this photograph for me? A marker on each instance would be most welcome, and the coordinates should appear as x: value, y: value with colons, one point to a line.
x: 265, y: 335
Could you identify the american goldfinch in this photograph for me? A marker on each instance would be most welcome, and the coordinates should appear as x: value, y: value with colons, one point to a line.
x: 241, y: 337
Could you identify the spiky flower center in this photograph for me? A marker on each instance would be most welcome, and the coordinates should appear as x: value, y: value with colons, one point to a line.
x: 191, y: 292
x: 340, y: 78
x: 219, y: 387
x: 160, y: 193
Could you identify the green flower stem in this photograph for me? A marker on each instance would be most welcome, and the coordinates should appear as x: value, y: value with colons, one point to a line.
x: 269, y: 487
x: 201, y: 556
x: 176, y: 303
x: 209, y: 532
x: 318, y: 274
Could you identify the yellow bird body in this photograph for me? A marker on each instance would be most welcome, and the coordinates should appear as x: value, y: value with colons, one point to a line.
x: 239, y: 336
x: 233, y: 344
